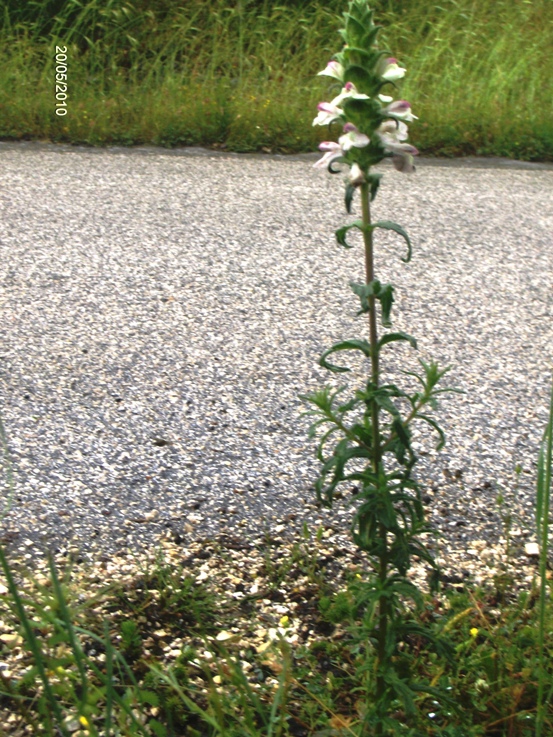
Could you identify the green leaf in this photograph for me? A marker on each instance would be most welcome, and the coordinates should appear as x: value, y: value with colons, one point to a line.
x: 389, y: 225
x: 360, y: 77
x: 386, y: 299
x: 384, y: 401
x: 346, y: 345
x: 374, y: 182
x: 402, y: 691
x: 402, y: 433
x: 340, y: 160
x: 350, y: 191
x: 384, y: 293
x: 148, y: 697
x: 438, y: 693
x: 436, y: 427
x: 363, y: 291
x: 363, y: 53
x: 341, y: 232
x: 157, y: 728
x: 391, y: 337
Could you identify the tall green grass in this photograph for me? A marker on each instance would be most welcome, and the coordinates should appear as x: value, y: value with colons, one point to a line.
x: 240, y: 73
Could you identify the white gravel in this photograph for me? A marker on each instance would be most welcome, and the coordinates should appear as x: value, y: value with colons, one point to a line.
x: 161, y: 311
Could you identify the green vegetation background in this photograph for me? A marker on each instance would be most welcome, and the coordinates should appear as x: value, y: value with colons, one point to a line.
x: 240, y: 74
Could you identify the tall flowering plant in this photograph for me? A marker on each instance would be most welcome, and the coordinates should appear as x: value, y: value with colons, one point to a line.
x: 367, y: 438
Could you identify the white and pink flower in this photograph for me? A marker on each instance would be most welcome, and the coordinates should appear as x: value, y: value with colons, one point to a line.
x: 352, y: 138
x: 328, y: 113
x: 392, y: 71
x: 356, y: 176
x: 401, y: 110
x: 333, y: 151
x: 331, y: 111
x: 333, y: 69
x: 393, y: 135
x: 349, y: 92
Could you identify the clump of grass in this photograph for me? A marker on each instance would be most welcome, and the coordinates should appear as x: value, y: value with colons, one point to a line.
x: 67, y: 665
x: 239, y: 74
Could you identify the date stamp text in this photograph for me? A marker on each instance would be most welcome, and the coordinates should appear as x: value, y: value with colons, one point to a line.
x: 61, y: 80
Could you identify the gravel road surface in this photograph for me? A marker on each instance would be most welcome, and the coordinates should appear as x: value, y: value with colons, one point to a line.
x: 161, y: 311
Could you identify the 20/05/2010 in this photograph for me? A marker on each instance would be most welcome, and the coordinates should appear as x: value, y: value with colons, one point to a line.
x: 61, y: 80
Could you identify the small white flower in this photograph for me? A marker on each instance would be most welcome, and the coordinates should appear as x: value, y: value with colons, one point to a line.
x: 356, y: 175
x: 385, y: 98
x: 352, y: 138
x: 393, y: 130
x: 401, y: 110
x: 333, y: 69
x: 349, y: 92
x: 333, y: 151
x: 392, y: 135
x: 392, y: 70
x: 404, y: 161
x: 328, y: 113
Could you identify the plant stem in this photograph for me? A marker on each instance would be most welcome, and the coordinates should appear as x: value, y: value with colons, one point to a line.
x: 369, y: 275
x: 376, y: 454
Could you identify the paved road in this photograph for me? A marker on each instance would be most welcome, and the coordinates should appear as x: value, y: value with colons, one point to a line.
x: 161, y: 311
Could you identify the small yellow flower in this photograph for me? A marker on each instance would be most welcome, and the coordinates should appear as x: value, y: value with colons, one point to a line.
x: 284, y: 621
x: 474, y: 632
x: 84, y: 722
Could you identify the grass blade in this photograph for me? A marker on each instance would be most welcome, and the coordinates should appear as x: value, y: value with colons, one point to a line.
x: 543, y: 498
x: 68, y: 625
x: 8, y: 470
x: 32, y: 644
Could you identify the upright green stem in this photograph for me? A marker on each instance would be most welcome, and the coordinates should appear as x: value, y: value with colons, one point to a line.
x: 376, y: 456
x: 369, y: 275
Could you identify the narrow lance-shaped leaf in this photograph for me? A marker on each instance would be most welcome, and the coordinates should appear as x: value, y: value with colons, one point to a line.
x: 346, y: 345
x: 391, y: 337
x: 386, y: 299
x: 389, y: 225
x: 350, y: 191
x: 384, y: 293
x: 341, y: 232
x: 374, y: 182
x: 364, y: 291
x: 436, y: 427
x: 339, y: 160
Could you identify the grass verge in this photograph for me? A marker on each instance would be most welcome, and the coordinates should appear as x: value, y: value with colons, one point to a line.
x: 241, y: 75
x: 233, y: 639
